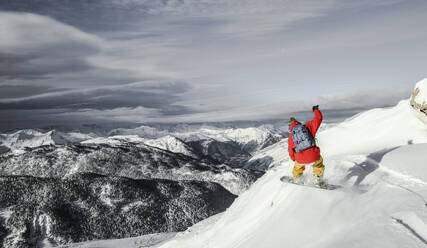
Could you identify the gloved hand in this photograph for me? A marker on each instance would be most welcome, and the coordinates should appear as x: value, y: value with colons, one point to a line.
x: 316, y: 107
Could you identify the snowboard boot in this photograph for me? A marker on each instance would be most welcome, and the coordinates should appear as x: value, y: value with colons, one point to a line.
x: 318, y: 181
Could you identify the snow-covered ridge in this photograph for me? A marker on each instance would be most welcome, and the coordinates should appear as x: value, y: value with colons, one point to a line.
x: 251, y: 139
x: 168, y: 143
x: 17, y: 141
x: 258, y: 136
x: 142, y: 131
x: 173, y: 144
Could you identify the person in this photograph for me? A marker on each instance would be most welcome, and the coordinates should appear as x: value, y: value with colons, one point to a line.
x: 303, y: 149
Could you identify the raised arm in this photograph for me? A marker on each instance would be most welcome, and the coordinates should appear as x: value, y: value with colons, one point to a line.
x: 314, y: 124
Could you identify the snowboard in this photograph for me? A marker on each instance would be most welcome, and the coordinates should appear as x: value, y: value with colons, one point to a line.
x: 326, y: 186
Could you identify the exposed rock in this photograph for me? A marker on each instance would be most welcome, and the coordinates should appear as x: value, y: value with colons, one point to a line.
x: 419, y: 97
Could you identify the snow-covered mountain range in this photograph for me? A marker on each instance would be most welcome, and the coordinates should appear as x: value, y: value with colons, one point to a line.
x: 141, y: 181
x: 250, y: 139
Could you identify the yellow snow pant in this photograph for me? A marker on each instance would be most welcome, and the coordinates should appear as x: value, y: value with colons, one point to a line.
x: 318, y: 168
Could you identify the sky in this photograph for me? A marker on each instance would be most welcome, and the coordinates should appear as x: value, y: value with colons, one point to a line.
x: 138, y: 61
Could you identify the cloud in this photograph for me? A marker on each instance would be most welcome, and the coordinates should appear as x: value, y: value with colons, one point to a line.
x: 144, y: 60
x: 122, y: 114
x: 35, y: 106
x: 38, y: 66
x: 234, y: 18
x: 159, y: 96
x: 16, y: 91
x: 36, y: 47
x: 28, y: 32
x: 66, y: 69
x: 49, y: 68
x: 86, y: 15
x: 144, y: 102
x: 39, y: 50
x: 366, y: 99
x: 337, y: 106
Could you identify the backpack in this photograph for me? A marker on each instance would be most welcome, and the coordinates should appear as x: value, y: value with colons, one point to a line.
x: 302, y: 138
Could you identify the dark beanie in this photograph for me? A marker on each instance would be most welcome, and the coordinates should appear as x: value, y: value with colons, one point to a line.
x: 292, y: 120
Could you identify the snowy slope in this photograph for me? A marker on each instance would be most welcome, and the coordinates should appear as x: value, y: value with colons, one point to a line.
x: 374, y: 130
x: 252, y: 138
x: 409, y: 160
x: 141, y: 241
x: 378, y: 207
x: 17, y: 141
x: 142, y: 131
x: 172, y: 144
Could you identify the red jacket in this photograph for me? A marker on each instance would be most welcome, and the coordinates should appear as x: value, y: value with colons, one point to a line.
x: 312, y: 154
